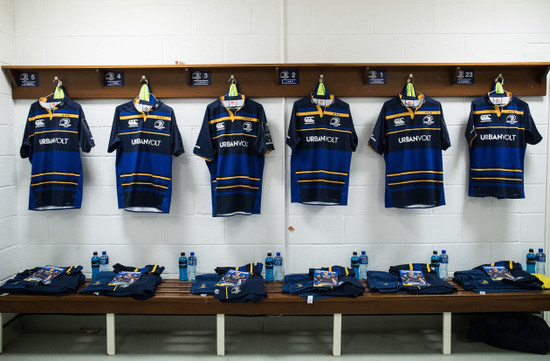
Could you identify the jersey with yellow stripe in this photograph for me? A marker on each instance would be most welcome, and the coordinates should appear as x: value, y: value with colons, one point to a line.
x: 145, y: 136
x: 498, y: 136
x: 234, y: 141
x: 322, y: 141
x: 55, y: 132
x: 411, y: 139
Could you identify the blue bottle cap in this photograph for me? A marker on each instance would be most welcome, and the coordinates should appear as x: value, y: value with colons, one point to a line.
x: 278, y: 254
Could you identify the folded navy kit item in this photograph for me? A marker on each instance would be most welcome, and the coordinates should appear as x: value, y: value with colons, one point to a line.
x: 139, y: 283
x: 233, y: 284
x: 324, y: 282
x: 47, y: 280
x: 414, y: 278
x: 485, y: 278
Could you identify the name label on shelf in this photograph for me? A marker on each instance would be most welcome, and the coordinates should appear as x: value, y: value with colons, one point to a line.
x: 465, y: 76
x: 378, y: 77
x: 28, y: 79
x: 114, y: 78
x: 200, y: 77
x: 289, y: 77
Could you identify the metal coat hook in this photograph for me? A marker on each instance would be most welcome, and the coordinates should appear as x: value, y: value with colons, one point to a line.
x: 321, y: 78
x: 501, y: 79
x: 410, y: 79
x: 144, y: 80
x: 232, y: 79
x: 59, y: 82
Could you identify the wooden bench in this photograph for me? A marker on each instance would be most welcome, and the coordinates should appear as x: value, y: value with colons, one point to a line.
x: 173, y: 298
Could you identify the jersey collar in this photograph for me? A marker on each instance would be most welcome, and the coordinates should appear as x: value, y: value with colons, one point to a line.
x: 224, y: 99
x: 329, y: 101
x: 498, y: 108
x: 144, y: 107
x: 50, y: 104
x: 418, y: 99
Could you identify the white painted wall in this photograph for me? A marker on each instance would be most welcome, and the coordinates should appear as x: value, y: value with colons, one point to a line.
x: 214, y: 31
x: 9, y: 251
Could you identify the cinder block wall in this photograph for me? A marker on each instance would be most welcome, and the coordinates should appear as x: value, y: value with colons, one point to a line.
x: 472, y: 230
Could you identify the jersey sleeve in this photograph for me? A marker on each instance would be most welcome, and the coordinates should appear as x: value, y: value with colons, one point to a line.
x: 86, y: 140
x: 264, y: 142
x: 470, y: 133
x: 532, y: 135
x: 292, y: 138
x: 377, y: 141
x: 445, y: 139
x: 177, y: 143
x: 354, y: 140
x: 114, y: 140
x: 26, y: 145
x: 204, y: 147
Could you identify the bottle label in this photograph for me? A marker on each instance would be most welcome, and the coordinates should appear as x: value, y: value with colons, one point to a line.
x: 95, y: 264
x: 183, y: 264
x: 354, y: 264
x: 268, y: 264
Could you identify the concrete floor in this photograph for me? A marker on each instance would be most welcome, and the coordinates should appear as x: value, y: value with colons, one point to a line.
x: 40, y: 337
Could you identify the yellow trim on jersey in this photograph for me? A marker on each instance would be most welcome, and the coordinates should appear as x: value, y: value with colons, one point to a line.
x: 154, y: 269
x: 425, y: 112
x: 301, y: 114
x: 501, y: 127
x: 238, y: 185
x: 320, y: 171
x: 414, y: 172
x: 56, y: 173
x: 38, y: 184
x: 498, y: 169
x: 235, y: 177
x: 53, y: 131
x: 504, y: 111
x: 63, y: 115
x: 144, y: 131
x: 320, y: 180
x: 343, y: 115
x: 240, y: 117
x: 499, y: 178
x: 229, y: 134
x: 410, y: 130
x: 333, y: 130
x: 146, y: 183
x: 397, y: 115
x: 472, y: 141
x: 416, y: 181
x: 153, y: 116
x: 145, y: 174
x: 428, y: 266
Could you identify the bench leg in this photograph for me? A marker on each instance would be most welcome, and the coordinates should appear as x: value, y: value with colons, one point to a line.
x: 220, y: 334
x: 1, y: 333
x: 447, y: 329
x: 111, y: 334
x: 337, y: 335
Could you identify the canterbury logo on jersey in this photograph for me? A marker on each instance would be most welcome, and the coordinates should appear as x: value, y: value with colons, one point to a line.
x: 485, y: 118
x: 309, y: 120
x: 132, y: 123
x: 39, y: 123
x: 47, y: 141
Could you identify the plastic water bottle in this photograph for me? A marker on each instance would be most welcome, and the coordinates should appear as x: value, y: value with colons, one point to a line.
x: 192, y: 267
x: 182, y: 263
x: 363, y: 265
x: 104, y: 262
x: 355, y: 264
x: 278, y: 271
x: 95, y: 266
x: 443, y: 265
x: 540, y: 266
x: 269, y: 267
x: 531, y: 261
x: 435, y: 262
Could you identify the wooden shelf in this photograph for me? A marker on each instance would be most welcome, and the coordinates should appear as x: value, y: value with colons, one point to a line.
x: 261, y: 80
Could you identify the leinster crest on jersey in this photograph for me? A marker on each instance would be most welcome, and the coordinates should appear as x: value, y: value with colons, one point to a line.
x: 159, y: 124
x: 335, y: 122
x: 247, y: 127
x: 428, y: 119
x: 65, y: 123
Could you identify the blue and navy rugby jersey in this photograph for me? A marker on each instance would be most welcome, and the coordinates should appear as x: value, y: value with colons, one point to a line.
x: 411, y: 139
x: 322, y: 139
x: 233, y: 143
x: 55, y: 132
x: 498, y: 136
x: 145, y: 136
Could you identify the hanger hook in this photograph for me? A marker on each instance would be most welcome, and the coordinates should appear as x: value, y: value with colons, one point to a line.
x: 59, y: 82
x: 501, y: 79
x: 232, y: 79
x: 144, y: 80
x: 410, y: 79
x: 321, y: 78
